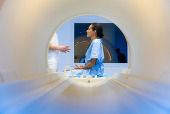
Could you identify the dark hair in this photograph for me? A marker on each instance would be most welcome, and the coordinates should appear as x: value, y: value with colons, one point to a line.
x: 99, y: 29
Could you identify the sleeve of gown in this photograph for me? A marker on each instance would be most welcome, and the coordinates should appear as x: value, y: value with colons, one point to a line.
x: 96, y: 50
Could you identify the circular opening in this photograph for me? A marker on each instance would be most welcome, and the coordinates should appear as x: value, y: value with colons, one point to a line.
x: 73, y: 34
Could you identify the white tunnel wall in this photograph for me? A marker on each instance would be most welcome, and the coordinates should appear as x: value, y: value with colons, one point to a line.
x: 27, y: 26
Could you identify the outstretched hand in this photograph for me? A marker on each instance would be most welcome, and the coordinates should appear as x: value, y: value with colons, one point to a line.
x: 64, y: 49
x: 78, y: 67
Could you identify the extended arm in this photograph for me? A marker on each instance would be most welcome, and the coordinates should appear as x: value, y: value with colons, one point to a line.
x: 89, y: 65
x: 60, y: 48
x: 51, y: 47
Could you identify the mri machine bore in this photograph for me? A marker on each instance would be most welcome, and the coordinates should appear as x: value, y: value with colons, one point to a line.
x: 27, y: 88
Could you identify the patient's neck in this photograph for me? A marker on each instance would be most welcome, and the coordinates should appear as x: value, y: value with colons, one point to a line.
x: 93, y: 37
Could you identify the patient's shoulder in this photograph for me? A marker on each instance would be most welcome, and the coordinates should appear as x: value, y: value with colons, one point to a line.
x: 97, y: 41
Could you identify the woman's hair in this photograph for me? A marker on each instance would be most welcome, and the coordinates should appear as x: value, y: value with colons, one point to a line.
x: 99, y: 29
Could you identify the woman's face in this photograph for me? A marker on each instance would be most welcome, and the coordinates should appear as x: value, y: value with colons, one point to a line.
x: 90, y: 31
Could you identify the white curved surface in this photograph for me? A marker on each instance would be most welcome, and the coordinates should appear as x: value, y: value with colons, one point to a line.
x: 26, y: 28
x: 145, y: 23
x: 53, y: 93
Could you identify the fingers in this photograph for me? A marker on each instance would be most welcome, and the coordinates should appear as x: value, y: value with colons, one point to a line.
x: 66, y: 46
x: 77, y: 65
x: 64, y: 49
x: 67, y: 49
x: 76, y: 68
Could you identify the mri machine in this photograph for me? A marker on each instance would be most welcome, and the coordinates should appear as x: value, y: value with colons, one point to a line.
x: 28, y: 88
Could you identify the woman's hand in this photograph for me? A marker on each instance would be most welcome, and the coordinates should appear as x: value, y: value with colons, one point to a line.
x: 79, y: 67
x: 87, y: 66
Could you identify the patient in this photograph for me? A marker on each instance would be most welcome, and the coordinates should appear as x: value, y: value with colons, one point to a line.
x: 94, y: 55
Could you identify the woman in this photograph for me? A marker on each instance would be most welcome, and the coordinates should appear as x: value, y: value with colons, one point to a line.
x: 94, y: 55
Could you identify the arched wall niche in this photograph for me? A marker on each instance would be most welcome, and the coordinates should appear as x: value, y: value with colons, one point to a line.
x: 69, y: 40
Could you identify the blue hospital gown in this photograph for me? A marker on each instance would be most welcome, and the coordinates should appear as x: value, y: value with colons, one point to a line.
x: 95, y: 50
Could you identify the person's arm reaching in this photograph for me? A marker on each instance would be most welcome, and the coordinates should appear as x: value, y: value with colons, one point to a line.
x: 89, y: 65
x: 60, y: 48
x: 51, y: 47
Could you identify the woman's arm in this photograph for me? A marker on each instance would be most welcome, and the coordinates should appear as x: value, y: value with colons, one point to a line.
x: 89, y: 65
